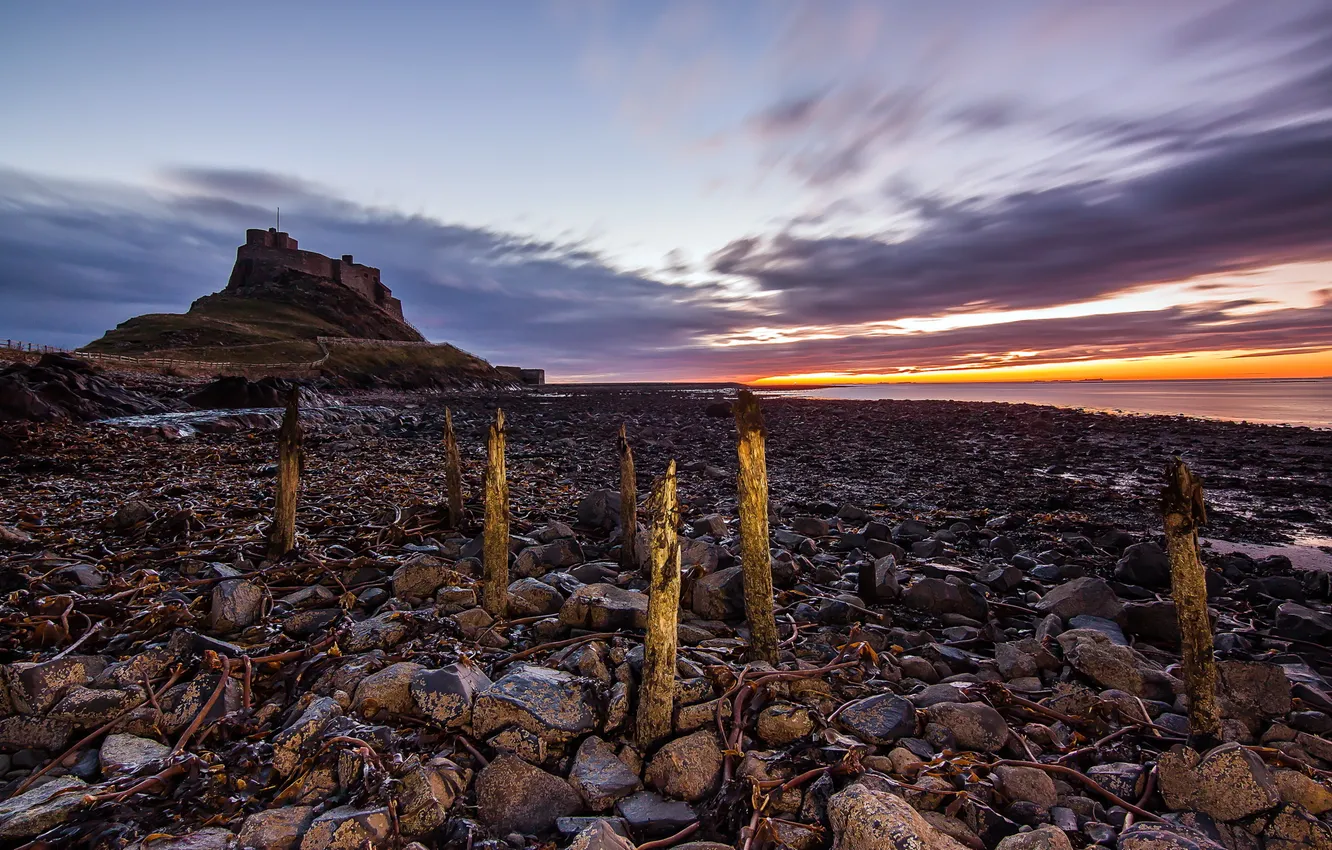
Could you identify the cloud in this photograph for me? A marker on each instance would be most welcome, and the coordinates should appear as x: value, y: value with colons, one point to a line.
x: 1244, y: 202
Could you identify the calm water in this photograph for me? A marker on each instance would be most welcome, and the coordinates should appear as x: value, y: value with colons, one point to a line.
x: 1290, y: 402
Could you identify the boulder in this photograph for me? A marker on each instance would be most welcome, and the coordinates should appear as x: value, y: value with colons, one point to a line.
x: 650, y: 815
x: 720, y: 595
x: 38, y: 809
x: 420, y: 576
x: 1303, y: 623
x: 551, y: 704
x: 1119, y: 667
x: 276, y: 829
x: 1092, y: 596
x: 605, y: 607
x: 1165, y: 836
x: 122, y: 753
x: 599, y: 776
x: 446, y: 695
x: 529, y: 597
x: 388, y: 689
x: 939, y: 596
x: 1028, y: 784
x: 514, y: 796
x: 879, y: 719
x: 1042, y: 838
x: 288, y: 744
x: 975, y: 725
x: 688, y: 768
x: 347, y: 827
x: 600, y: 509
x: 1227, y: 783
x: 1145, y: 564
x: 862, y: 819
x: 600, y: 835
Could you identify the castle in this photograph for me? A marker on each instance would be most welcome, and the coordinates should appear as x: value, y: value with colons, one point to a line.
x: 267, y: 253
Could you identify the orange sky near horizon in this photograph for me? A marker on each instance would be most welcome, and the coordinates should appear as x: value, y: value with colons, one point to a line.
x: 1187, y: 366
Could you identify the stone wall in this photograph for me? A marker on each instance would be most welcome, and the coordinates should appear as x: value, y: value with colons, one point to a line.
x: 267, y: 253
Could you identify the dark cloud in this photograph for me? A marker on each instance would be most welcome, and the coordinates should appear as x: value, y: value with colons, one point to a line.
x: 1241, y: 203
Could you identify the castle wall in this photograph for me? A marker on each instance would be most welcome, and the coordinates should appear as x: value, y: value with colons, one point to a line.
x: 363, y: 279
x: 304, y: 261
x: 267, y: 253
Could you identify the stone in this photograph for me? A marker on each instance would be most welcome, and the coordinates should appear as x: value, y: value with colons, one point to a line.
x: 1026, y: 783
x: 650, y: 815
x: 236, y: 604
x: 879, y: 719
x: 688, y: 768
x: 1302, y: 623
x: 1293, y: 828
x: 712, y: 525
x: 420, y: 576
x: 782, y: 723
x: 600, y: 835
x: 529, y: 597
x: 605, y: 607
x: 122, y: 753
x: 1156, y: 621
x: 600, y: 509
x: 446, y: 695
x: 514, y: 796
x: 863, y: 819
x: 551, y: 704
x: 719, y: 595
x: 429, y: 790
x: 1227, y: 783
x: 1041, y: 838
x: 378, y: 632
x: 940, y: 596
x: 975, y: 726
x: 389, y: 689
x: 45, y: 733
x: 810, y: 526
x: 1295, y: 787
x: 35, y: 687
x: 212, y: 838
x: 38, y: 809
x: 288, y: 744
x: 276, y: 829
x: 1165, y: 836
x: 599, y: 776
x: 1092, y: 596
x: 1252, y: 691
x: 349, y: 828
x: 1126, y: 780
x: 1145, y: 564
x: 1118, y: 667
x: 90, y: 707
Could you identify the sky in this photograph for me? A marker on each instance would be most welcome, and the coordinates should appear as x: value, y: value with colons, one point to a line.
x: 770, y: 191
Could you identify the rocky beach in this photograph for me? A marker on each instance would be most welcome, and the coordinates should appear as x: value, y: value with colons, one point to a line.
x: 978, y: 643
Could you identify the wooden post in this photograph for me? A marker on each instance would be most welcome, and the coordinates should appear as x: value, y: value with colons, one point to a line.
x: 453, y: 472
x: 1183, y: 509
x: 282, y: 535
x: 656, y: 695
x: 755, y: 559
x: 495, y: 580
x: 628, y: 503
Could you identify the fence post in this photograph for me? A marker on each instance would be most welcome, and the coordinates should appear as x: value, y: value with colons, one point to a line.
x: 628, y: 503
x: 1182, y: 506
x: 755, y: 558
x: 495, y: 576
x: 656, y: 695
x: 452, y: 471
x: 282, y: 536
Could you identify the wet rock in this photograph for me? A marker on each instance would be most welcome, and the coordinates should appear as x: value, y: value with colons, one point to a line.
x: 276, y: 829
x: 599, y: 776
x: 1145, y: 564
x: 288, y: 743
x: 604, y: 607
x: 1303, y: 623
x: 1091, y: 596
x: 122, y: 753
x: 650, y: 815
x: 1026, y: 783
x: 1227, y: 783
x: 446, y: 695
x: 389, y: 690
x: 974, y: 725
x: 550, y: 704
x: 600, y: 835
x: 688, y: 768
x: 862, y: 819
x: 38, y: 809
x: 349, y: 828
x: 1042, y: 838
x: 719, y: 595
x: 879, y: 719
x: 514, y: 796
x: 939, y: 596
x: 420, y: 576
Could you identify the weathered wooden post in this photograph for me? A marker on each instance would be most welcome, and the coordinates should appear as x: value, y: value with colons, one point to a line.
x: 628, y: 503
x: 1183, y: 509
x: 656, y: 696
x: 495, y: 578
x: 453, y: 471
x: 282, y: 535
x: 755, y: 560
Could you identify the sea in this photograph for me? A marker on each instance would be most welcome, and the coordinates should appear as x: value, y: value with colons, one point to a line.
x: 1291, y: 401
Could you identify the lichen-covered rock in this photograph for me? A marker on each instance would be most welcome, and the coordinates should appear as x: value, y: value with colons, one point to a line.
x: 35, y: 687
x: 1042, y: 838
x: 1165, y: 836
x: 605, y: 607
x: 446, y: 695
x: 781, y: 723
x: 1110, y: 666
x: 1227, y: 783
x: 688, y: 768
x: 1293, y: 828
x: 349, y: 828
x: 236, y: 604
x: 862, y: 819
x: 288, y: 743
x: 276, y: 829
x: 599, y: 776
x: 389, y: 689
x: 1295, y: 787
x: 975, y: 725
x: 127, y: 753
x: 514, y: 796
x: 420, y: 576
x: 550, y: 704
x: 38, y: 809
x: 879, y: 719
x: 1026, y: 783
x: 429, y: 790
x: 600, y: 835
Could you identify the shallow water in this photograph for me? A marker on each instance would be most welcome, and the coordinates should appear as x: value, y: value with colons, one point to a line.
x: 1282, y: 402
